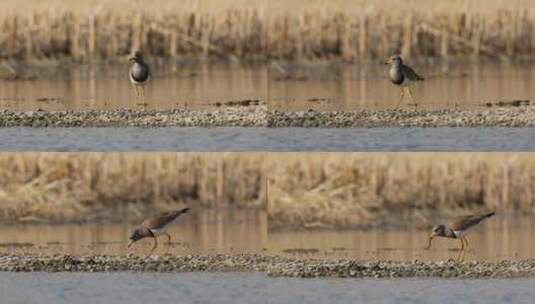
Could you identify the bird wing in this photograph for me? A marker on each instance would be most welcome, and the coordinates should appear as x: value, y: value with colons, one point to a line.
x: 411, y: 74
x: 465, y: 222
x: 161, y: 220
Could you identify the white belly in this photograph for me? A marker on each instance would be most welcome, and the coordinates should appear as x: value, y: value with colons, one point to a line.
x: 406, y: 82
x: 460, y: 233
x: 160, y: 231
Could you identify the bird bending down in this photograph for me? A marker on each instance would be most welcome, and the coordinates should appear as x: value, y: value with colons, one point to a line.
x: 139, y: 74
x: 154, y: 226
x: 402, y: 75
x: 458, y: 230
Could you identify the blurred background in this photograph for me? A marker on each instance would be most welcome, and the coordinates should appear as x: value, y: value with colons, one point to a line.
x: 296, y: 29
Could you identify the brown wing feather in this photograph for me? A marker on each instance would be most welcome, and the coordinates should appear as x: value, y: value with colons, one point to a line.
x: 468, y: 221
x: 411, y: 74
x: 160, y: 220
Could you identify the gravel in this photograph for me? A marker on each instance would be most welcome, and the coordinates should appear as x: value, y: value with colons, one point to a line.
x: 522, y: 116
x: 240, y: 116
x: 277, y: 266
x: 258, y: 115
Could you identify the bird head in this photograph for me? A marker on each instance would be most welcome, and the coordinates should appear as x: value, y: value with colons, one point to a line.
x: 394, y: 59
x: 439, y: 230
x: 137, y: 234
x: 136, y: 57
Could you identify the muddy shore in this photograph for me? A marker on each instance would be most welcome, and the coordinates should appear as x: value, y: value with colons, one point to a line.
x: 278, y: 266
x: 261, y: 116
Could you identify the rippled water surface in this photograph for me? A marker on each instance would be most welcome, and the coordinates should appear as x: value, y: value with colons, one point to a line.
x: 267, y: 139
x: 145, y: 288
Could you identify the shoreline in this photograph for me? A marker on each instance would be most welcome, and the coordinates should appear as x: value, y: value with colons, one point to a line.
x: 508, y: 116
x: 273, y: 266
x: 238, y: 116
x: 259, y: 115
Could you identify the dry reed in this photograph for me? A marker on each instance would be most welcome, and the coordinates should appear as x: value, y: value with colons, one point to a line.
x: 299, y: 190
x: 92, y: 186
x: 346, y: 190
x: 343, y: 30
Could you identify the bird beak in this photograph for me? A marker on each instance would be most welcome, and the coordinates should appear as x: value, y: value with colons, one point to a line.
x: 389, y: 61
x: 130, y: 243
x: 132, y: 59
x: 429, y: 244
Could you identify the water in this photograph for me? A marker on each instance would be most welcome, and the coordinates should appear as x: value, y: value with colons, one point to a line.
x: 266, y: 139
x: 112, y: 288
x: 108, y: 87
x: 317, y: 86
x: 497, y: 238
x: 198, y: 232
x: 350, y: 87
x: 234, y: 231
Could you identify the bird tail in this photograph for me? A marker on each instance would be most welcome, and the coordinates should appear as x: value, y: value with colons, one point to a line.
x: 490, y: 214
x: 181, y: 211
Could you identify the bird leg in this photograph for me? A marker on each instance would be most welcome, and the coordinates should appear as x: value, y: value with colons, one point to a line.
x: 168, y: 237
x: 154, y: 246
x: 465, y: 247
x: 401, y: 95
x: 140, y: 100
x: 461, y: 250
x: 137, y: 94
x: 466, y: 241
x: 429, y: 244
x: 143, y: 95
x: 409, y: 91
x: 168, y: 241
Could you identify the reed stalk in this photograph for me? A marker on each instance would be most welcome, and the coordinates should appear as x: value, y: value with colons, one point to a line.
x: 90, y: 186
x: 340, y: 32
x: 359, y: 189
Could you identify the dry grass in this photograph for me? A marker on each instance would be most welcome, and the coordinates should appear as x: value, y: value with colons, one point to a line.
x: 296, y: 30
x: 305, y: 189
x: 345, y: 190
x: 84, y: 187
x: 273, y: 7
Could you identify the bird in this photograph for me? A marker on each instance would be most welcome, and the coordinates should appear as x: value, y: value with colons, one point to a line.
x: 139, y: 74
x: 154, y: 226
x: 402, y: 75
x: 458, y: 229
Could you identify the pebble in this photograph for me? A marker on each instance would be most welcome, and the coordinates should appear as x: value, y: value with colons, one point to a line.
x: 521, y: 116
x: 241, y: 116
x: 272, y: 265
x: 259, y: 115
